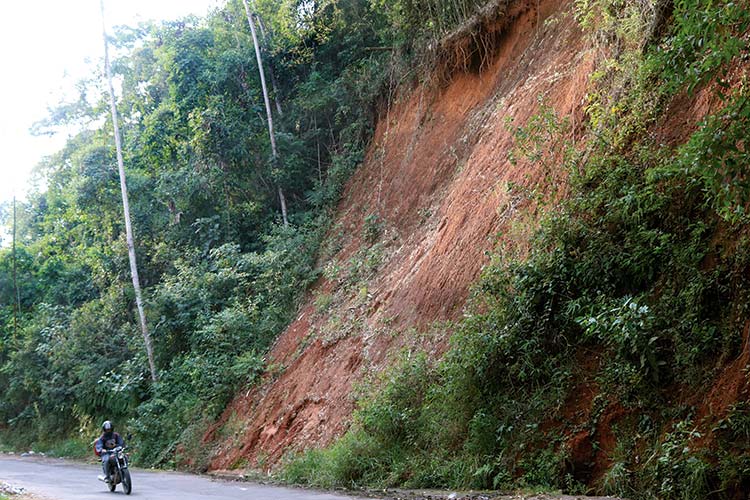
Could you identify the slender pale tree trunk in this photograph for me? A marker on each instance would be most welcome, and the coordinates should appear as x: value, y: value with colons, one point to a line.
x: 17, y: 305
x: 126, y: 206
x: 274, y: 84
x: 274, y: 151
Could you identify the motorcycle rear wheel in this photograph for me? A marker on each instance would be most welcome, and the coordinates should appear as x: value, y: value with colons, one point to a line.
x: 127, y: 484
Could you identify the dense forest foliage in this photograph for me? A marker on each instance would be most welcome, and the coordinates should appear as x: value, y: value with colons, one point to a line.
x: 644, y: 265
x: 222, y: 275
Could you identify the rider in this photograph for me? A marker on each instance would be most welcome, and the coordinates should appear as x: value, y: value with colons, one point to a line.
x: 107, y: 442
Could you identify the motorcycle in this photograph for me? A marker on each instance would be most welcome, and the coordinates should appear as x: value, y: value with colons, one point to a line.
x: 118, y: 470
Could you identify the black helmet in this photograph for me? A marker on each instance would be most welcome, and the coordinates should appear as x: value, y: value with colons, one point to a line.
x: 107, y: 426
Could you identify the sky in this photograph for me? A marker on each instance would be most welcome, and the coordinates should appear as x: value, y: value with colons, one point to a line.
x: 45, y: 47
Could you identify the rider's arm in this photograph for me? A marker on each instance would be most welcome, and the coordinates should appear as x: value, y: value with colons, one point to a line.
x: 120, y: 441
x: 98, y: 446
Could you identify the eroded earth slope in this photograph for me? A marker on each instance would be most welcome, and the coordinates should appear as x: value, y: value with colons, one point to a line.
x: 435, y: 194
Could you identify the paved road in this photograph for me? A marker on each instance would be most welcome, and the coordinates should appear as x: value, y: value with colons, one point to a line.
x: 64, y: 480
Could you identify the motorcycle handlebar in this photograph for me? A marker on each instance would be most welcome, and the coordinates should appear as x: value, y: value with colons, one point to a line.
x: 115, y: 449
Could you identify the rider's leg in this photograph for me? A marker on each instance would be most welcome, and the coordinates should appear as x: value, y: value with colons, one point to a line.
x: 105, y: 465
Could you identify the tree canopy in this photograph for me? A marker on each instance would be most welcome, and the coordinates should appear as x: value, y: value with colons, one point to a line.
x: 221, y: 275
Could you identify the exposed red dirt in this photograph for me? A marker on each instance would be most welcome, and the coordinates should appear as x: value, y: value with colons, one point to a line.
x: 590, y: 445
x: 730, y: 387
x: 686, y: 111
x: 606, y: 439
x: 590, y: 455
x: 437, y: 177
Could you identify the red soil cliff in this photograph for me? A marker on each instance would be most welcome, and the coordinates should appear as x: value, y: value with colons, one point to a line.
x: 435, y: 192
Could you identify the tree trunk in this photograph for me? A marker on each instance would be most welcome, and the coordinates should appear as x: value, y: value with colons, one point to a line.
x: 126, y: 206
x: 274, y: 84
x: 274, y: 152
x: 17, y: 295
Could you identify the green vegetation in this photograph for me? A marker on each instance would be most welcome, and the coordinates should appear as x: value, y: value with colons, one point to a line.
x: 221, y: 275
x: 636, y: 285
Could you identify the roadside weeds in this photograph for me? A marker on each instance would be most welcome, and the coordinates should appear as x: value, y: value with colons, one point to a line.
x: 10, y: 492
x: 401, y: 494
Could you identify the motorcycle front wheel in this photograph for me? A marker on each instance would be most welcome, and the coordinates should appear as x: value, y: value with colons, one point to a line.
x: 127, y: 485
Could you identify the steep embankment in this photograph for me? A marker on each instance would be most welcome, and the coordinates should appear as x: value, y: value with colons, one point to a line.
x: 436, y: 192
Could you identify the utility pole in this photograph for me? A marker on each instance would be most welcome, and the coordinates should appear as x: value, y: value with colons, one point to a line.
x: 126, y: 205
x: 274, y: 152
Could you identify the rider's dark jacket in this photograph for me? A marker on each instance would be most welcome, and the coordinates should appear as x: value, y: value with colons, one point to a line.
x: 108, y: 441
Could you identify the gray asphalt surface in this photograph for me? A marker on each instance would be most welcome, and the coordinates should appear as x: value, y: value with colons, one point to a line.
x: 65, y: 480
